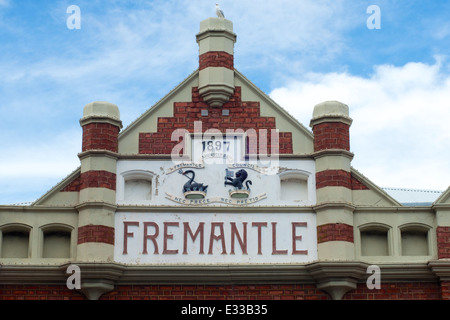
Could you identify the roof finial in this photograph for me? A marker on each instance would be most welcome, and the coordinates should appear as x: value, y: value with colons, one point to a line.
x: 219, y: 12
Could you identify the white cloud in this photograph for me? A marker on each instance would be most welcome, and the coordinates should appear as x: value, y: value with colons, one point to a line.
x: 55, y: 156
x: 400, y: 133
x: 159, y: 39
x: 133, y: 56
x: 31, y: 167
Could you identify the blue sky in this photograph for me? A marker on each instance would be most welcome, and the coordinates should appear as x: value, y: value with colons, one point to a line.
x: 396, y: 80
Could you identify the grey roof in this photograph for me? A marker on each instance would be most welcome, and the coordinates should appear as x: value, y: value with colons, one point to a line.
x: 413, y: 197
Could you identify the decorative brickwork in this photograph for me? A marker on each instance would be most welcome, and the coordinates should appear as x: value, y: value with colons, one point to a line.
x: 396, y: 291
x: 445, y: 290
x: 213, y: 292
x: 388, y: 291
x: 38, y: 292
x: 216, y: 59
x: 331, y: 135
x: 242, y: 115
x: 96, y: 233
x: 357, y: 184
x: 338, y: 178
x: 101, y: 136
x: 92, y: 179
x: 334, y: 232
x: 98, y: 179
x: 333, y: 178
x: 73, y: 186
x: 443, y: 242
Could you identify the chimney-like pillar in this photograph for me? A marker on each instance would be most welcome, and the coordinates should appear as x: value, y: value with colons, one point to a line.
x: 334, y: 209
x: 101, y: 125
x: 216, y: 60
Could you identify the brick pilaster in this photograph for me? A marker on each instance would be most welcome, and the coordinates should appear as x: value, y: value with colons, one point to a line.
x: 331, y: 135
x: 334, y: 232
x: 97, y: 181
x: 443, y: 242
x: 101, y: 136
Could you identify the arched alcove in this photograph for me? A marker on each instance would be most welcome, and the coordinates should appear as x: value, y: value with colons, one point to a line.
x: 138, y: 186
x: 15, y: 241
x: 375, y: 240
x: 294, y: 185
x: 56, y: 241
x: 414, y: 240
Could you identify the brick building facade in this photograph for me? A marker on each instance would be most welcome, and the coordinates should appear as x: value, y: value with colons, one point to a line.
x: 149, y: 214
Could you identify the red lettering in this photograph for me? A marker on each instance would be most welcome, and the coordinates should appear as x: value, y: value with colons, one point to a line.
x: 199, y: 230
x: 195, y: 237
x: 274, y: 240
x: 235, y: 233
x: 297, y: 238
x: 151, y: 236
x: 127, y: 234
x: 220, y: 237
x: 259, y: 225
x: 169, y: 236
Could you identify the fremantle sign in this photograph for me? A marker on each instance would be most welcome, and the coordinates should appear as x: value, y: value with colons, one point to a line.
x: 214, y: 238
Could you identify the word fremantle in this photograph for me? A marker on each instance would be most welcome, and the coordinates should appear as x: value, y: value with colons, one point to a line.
x: 161, y: 239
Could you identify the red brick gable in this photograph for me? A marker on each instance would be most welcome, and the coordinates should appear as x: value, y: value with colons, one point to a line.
x: 74, y: 185
x: 242, y: 115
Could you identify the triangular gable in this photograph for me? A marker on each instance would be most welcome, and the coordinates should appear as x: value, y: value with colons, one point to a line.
x: 64, y: 192
x: 151, y: 132
x: 147, y: 122
x: 275, y: 109
x: 444, y: 198
x: 248, y: 108
x: 265, y: 113
x: 372, y: 195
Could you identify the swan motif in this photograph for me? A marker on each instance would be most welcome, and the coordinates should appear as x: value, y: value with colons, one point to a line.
x: 191, y: 185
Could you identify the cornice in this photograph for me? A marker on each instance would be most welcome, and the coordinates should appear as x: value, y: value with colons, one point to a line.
x: 96, y: 205
x: 215, y: 209
x: 330, y: 118
x: 38, y: 208
x: 441, y: 268
x: 334, y: 277
x: 98, y: 153
x: 333, y: 152
x: 334, y: 205
x: 93, y: 118
x: 317, y: 271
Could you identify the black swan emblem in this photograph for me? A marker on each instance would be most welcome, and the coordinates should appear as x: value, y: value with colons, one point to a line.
x: 191, y: 185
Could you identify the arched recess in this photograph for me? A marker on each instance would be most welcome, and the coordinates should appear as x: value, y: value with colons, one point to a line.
x: 295, y: 185
x: 415, y: 239
x: 15, y: 241
x: 138, y: 186
x: 57, y: 241
x: 375, y: 239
